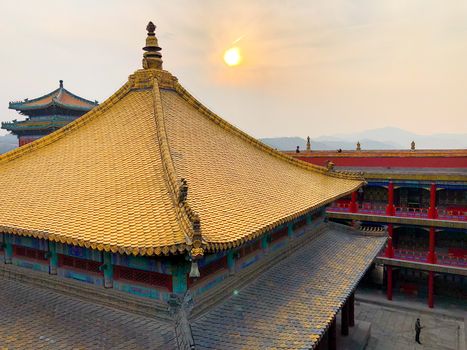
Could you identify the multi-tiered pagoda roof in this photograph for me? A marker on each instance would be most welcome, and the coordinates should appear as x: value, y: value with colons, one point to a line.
x: 47, y: 113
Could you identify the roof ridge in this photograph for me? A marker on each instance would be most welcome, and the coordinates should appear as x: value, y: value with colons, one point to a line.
x: 426, y: 153
x: 233, y: 129
x: 72, y: 126
x: 15, y: 103
x: 189, y: 220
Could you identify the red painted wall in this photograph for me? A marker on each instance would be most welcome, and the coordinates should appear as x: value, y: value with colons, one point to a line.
x: 393, y: 162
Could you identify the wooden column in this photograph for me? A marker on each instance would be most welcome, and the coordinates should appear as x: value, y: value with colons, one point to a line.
x: 179, y: 277
x: 390, y: 209
x: 353, y: 203
x: 231, y: 262
x: 432, y: 211
x: 53, y: 258
x: 332, y: 344
x: 390, y: 247
x: 389, y: 282
x: 108, y: 269
x: 265, y: 243
x: 351, y: 303
x: 8, y: 250
x: 345, y: 319
x: 290, y: 230
x: 431, y: 250
x: 431, y: 287
x: 308, y: 219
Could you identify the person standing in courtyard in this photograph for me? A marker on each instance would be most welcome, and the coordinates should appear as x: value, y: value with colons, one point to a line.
x: 418, y: 328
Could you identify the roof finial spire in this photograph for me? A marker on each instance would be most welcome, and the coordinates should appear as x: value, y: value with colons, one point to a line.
x: 61, y: 83
x: 412, y: 146
x: 152, y: 56
x: 359, y: 147
x: 308, y: 144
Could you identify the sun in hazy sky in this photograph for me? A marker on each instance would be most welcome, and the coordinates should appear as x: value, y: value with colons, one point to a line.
x: 232, y: 56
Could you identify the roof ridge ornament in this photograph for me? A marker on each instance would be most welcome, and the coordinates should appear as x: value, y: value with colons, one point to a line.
x: 152, y: 58
x: 61, y: 83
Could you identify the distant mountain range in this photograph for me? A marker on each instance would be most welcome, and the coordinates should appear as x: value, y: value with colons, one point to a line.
x: 8, y: 142
x: 383, y: 138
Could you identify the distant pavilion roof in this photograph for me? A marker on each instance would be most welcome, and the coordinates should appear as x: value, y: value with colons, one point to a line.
x: 153, y: 171
x: 60, y: 97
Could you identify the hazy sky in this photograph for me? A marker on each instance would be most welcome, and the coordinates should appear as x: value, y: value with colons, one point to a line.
x: 310, y: 67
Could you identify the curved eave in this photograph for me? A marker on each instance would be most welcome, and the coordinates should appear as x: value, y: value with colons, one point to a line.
x: 19, y: 105
x: 33, y: 127
x: 91, y: 103
x: 220, y: 246
x: 166, y: 250
x: 111, y: 248
x: 22, y: 108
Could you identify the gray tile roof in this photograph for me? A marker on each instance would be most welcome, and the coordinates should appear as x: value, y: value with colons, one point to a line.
x: 292, y: 304
x: 287, y: 307
x: 35, y: 318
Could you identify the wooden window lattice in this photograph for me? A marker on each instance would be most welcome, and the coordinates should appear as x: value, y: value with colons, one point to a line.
x: 80, y: 264
x: 279, y: 234
x: 248, y: 249
x: 145, y: 277
x: 30, y: 253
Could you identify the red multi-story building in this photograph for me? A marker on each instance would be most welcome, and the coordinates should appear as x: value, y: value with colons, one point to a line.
x: 421, y: 197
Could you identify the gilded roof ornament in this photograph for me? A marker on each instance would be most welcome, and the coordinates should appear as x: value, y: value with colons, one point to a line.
x: 412, y: 146
x: 308, y: 144
x: 359, y: 148
x: 152, y: 58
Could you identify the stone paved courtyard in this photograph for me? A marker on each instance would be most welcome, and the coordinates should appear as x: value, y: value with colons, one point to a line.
x: 393, y: 329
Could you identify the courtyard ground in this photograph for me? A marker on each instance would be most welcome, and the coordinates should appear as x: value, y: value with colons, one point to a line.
x: 393, y: 327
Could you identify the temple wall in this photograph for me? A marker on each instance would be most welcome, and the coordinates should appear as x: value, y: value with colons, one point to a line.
x: 39, y: 246
x: 149, y: 277
x: 142, y: 289
x: 213, y: 270
x: 253, y: 252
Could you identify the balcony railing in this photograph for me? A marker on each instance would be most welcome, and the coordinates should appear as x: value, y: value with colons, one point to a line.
x: 421, y: 256
x: 449, y: 213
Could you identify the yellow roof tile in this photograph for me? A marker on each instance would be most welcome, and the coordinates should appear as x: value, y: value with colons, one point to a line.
x: 112, y: 178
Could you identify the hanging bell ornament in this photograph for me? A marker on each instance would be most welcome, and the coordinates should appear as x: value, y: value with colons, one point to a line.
x: 194, y: 272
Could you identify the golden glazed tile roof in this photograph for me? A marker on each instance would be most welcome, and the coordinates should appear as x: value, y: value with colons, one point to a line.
x: 112, y: 179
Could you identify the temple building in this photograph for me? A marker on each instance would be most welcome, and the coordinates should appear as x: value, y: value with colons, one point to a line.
x: 46, y: 114
x: 153, y: 204
x: 421, y: 196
